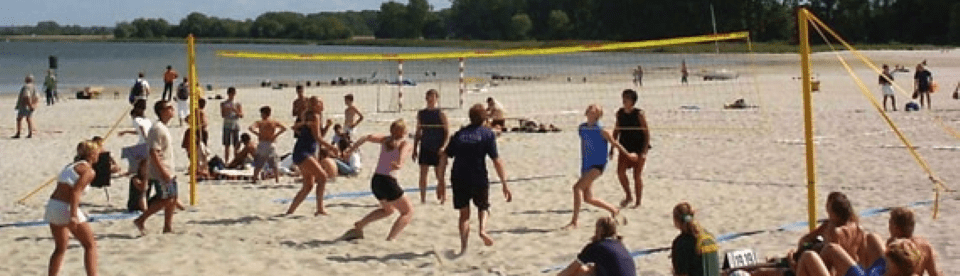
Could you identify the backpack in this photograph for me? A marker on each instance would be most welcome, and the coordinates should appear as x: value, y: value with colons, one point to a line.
x: 183, y: 93
x: 136, y: 91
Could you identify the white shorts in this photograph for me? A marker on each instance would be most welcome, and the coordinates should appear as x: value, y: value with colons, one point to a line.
x: 58, y: 213
x: 183, y: 109
x: 887, y: 90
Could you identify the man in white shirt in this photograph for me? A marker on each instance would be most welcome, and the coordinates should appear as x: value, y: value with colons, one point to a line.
x: 26, y: 104
x: 160, y: 169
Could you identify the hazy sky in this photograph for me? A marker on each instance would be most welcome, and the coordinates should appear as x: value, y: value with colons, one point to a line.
x: 109, y: 12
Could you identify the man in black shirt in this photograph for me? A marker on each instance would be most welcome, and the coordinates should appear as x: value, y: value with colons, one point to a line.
x: 923, y: 84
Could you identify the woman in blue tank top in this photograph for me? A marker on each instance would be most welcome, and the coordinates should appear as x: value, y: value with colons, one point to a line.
x: 304, y: 150
x: 593, y: 149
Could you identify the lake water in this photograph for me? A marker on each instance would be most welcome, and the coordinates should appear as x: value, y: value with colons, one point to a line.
x: 116, y: 64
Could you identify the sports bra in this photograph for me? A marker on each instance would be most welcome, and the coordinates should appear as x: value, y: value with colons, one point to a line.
x: 69, y: 175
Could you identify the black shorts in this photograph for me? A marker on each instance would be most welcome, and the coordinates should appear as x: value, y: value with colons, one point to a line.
x: 385, y: 187
x: 429, y: 157
x: 464, y: 192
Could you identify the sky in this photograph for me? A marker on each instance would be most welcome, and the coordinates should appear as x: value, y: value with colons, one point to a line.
x: 110, y: 12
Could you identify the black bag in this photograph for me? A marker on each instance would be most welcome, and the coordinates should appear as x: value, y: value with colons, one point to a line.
x: 183, y: 93
x: 136, y: 91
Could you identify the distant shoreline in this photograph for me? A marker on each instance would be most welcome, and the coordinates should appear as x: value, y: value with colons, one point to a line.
x: 758, y: 47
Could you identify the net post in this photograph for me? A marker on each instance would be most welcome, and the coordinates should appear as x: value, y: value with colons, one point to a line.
x: 462, y: 81
x: 804, y: 37
x: 194, y: 94
x: 399, y: 85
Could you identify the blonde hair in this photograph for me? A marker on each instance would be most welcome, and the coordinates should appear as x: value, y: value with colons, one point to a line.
x: 683, y: 216
x: 599, y: 109
x: 393, y: 142
x: 606, y: 228
x: 905, y: 255
x: 85, y: 148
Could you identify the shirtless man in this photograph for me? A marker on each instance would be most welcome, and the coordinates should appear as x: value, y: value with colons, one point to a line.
x: 351, y: 113
x: 267, y: 131
x: 902, y: 223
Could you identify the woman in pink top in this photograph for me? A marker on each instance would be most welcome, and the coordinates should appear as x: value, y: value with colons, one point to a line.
x: 384, y: 183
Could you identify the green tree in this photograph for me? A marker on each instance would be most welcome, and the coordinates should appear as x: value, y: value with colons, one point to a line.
x: 520, y: 26
x: 416, y: 16
x: 392, y: 21
x: 434, y: 27
x: 558, y: 24
x: 954, y: 35
x: 124, y: 30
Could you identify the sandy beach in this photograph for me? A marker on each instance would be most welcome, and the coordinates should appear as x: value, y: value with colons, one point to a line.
x: 748, y: 177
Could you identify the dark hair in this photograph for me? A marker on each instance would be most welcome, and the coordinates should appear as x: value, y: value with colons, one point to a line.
x: 299, y: 87
x: 489, y: 99
x: 904, y: 220
x: 140, y: 104
x: 630, y: 94
x: 201, y: 103
x: 137, y: 112
x: 245, y: 137
x: 477, y: 114
x: 97, y: 139
x: 344, y: 143
x: 159, y: 106
x: 140, y: 74
x: 169, y: 67
x: 840, y: 205
x: 337, y: 126
x: 434, y: 92
x: 265, y: 110
x: 348, y: 97
x: 231, y: 90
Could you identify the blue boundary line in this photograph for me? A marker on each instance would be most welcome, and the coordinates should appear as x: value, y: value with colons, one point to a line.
x: 736, y: 235
x: 359, y: 194
x: 90, y: 219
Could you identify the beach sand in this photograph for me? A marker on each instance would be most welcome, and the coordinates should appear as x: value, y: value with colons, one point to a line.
x: 750, y: 178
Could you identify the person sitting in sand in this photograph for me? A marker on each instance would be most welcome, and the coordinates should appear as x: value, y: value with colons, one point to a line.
x: 495, y: 113
x: 694, y: 251
x: 304, y: 155
x: 901, y: 225
x: 901, y: 257
x: 604, y: 255
x: 593, y: 150
x: 393, y: 148
x: 245, y: 154
x: 468, y: 176
x: 267, y: 131
x: 348, y: 163
x: 63, y: 209
x: 842, y: 228
x: 137, y: 193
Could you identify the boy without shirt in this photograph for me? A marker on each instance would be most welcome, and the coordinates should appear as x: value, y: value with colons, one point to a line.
x: 267, y: 131
x: 351, y: 113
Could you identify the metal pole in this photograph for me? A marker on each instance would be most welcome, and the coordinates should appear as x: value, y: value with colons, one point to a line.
x: 194, y: 123
x: 803, y: 25
x: 463, y: 84
x: 713, y: 18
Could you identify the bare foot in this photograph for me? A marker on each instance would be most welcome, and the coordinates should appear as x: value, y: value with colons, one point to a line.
x: 625, y: 202
x: 139, y: 224
x: 352, y: 234
x: 635, y: 205
x: 486, y: 239
x: 569, y: 226
x: 168, y: 231
x: 320, y: 212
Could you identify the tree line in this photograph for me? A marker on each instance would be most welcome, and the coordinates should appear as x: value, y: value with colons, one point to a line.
x: 862, y: 21
x: 52, y: 28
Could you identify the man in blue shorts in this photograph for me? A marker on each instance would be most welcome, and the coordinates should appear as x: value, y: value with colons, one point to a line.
x: 468, y: 178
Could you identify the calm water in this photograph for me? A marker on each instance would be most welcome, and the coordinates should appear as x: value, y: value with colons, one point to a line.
x: 98, y: 63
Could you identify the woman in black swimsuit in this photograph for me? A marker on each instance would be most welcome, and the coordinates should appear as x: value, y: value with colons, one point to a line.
x: 632, y: 132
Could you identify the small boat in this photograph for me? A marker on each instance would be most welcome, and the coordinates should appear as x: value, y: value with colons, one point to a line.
x: 721, y: 74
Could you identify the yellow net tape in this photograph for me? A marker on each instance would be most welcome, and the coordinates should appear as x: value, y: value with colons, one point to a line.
x: 485, y: 53
x: 938, y: 184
